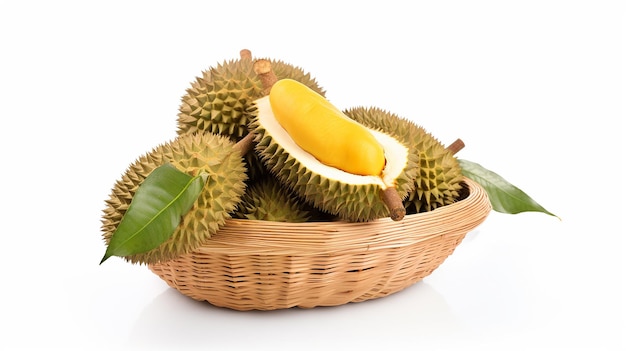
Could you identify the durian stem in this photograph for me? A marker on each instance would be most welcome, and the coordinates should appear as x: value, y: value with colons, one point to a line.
x: 244, y: 145
x: 263, y: 69
x: 394, y: 203
x: 456, y: 146
x: 245, y: 54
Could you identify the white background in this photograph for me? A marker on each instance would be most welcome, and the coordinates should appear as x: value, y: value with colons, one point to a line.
x: 534, y: 88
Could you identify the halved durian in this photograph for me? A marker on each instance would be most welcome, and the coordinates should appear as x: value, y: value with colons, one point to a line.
x: 350, y: 196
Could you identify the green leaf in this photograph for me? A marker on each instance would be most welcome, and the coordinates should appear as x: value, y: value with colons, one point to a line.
x: 504, y: 196
x: 155, y: 211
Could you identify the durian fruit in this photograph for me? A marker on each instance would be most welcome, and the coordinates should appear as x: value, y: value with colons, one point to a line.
x: 439, y: 181
x: 216, y: 155
x: 267, y: 199
x: 375, y: 193
x: 219, y: 101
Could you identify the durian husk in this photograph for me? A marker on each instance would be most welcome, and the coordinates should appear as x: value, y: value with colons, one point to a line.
x: 194, y: 153
x: 439, y: 181
x: 269, y: 200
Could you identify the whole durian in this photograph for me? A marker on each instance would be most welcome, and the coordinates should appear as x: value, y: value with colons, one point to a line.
x: 216, y: 155
x: 269, y: 200
x: 220, y: 100
x: 439, y: 181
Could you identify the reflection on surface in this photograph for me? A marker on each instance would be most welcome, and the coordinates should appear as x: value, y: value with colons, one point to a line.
x: 173, y: 319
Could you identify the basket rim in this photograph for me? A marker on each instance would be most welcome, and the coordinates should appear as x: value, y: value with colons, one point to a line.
x: 255, y: 237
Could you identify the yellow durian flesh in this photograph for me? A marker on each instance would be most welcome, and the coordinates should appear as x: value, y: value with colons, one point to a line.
x: 322, y: 130
x: 395, y: 152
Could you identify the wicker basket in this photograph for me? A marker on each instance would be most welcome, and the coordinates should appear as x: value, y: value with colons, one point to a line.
x: 262, y: 265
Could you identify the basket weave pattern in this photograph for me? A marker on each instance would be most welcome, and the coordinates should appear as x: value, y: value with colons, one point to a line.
x: 262, y: 265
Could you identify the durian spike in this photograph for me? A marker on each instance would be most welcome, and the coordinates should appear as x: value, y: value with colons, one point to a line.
x: 391, y: 198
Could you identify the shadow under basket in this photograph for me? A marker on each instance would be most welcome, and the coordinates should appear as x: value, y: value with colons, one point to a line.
x: 263, y: 265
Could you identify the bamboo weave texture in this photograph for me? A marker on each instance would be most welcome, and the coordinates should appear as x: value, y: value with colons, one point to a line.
x: 262, y: 265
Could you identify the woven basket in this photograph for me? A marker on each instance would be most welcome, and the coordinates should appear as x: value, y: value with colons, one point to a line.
x: 262, y: 265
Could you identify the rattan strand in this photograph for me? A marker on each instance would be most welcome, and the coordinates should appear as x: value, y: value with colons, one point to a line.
x: 261, y: 265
